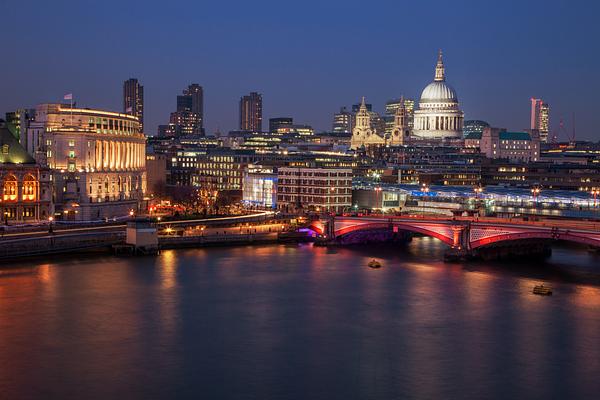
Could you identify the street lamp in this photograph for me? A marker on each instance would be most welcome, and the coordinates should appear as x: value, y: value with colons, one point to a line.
x: 424, y: 189
x: 131, y: 213
x: 535, y: 192
x: 595, y: 192
x: 50, y: 220
x: 478, y: 190
x: 377, y: 195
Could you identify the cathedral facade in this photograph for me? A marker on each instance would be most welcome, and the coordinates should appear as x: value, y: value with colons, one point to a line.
x: 365, y: 135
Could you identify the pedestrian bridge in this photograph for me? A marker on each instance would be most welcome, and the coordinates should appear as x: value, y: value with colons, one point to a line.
x: 463, y: 233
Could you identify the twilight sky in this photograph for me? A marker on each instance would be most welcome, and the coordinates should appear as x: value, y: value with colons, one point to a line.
x: 307, y: 57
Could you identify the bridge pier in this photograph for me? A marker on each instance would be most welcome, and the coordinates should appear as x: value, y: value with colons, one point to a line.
x: 460, y: 249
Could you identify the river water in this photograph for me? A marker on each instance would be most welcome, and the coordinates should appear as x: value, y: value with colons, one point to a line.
x: 300, y: 322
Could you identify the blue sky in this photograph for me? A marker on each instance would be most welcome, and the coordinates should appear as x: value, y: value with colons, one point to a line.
x: 307, y: 58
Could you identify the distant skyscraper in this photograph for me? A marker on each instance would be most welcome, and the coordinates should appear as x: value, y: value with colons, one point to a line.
x: 189, y: 117
x: 133, y: 100
x: 276, y: 124
x: 342, y: 121
x: 251, y: 112
x: 540, y: 117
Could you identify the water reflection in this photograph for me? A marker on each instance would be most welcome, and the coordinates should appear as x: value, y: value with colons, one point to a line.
x: 299, y: 322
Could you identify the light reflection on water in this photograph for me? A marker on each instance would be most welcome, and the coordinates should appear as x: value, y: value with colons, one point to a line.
x: 293, y: 321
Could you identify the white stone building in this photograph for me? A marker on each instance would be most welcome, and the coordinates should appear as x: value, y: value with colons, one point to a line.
x: 363, y: 133
x: 97, y: 159
x: 439, y: 115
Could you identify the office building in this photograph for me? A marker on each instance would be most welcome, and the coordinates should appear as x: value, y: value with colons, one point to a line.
x: 314, y: 189
x: 279, y: 125
x: 251, y: 112
x: 133, y: 100
x: 342, y: 121
x: 540, y: 118
x: 522, y: 147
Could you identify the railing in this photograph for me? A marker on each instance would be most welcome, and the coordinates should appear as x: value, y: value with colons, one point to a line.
x: 549, y: 223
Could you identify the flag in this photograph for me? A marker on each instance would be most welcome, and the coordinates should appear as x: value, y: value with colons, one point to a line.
x: 68, y: 96
x: 129, y: 109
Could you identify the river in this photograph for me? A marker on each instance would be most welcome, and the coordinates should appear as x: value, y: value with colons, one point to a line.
x: 300, y: 322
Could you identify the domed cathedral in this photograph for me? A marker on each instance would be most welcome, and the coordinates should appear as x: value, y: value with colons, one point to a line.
x: 363, y: 133
x: 400, y: 134
x: 439, y: 115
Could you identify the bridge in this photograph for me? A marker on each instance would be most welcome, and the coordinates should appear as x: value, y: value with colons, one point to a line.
x: 465, y: 236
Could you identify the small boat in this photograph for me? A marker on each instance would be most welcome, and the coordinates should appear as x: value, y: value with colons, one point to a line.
x: 374, y: 264
x: 542, y: 290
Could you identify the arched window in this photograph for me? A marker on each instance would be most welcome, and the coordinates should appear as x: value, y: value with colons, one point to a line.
x: 9, y: 188
x: 29, y: 188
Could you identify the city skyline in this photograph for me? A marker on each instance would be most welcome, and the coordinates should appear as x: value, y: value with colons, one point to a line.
x: 495, y: 73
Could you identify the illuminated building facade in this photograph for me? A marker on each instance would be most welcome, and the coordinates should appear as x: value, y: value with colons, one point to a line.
x: 133, y: 100
x: 97, y: 160
x: 390, y: 111
x: 260, y: 186
x: 400, y: 133
x: 439, y: 116
x: 251, y: 112
x: 279, y: 124
x: 26, y: 190
x: 318, y: 189
x: 513, y: 146
x: 215, y: 169
x: 472, y: 131
x: 364, y: 134
x: 540, y: 118
x: 342, y: 121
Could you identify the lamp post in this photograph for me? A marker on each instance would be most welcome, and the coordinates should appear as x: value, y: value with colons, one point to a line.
x: 595, y: 192
x: 535, y: 192
x: 50, y: 220
x: 131, y: 213
x: 377, y: 197
x: 478, y: 190
x: 424, y: 189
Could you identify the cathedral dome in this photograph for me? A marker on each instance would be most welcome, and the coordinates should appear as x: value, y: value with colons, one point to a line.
x: 438, y: 92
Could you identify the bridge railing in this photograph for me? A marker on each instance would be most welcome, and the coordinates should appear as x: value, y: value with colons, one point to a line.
x: 538, y: 222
